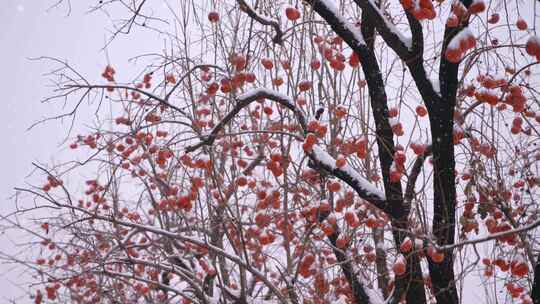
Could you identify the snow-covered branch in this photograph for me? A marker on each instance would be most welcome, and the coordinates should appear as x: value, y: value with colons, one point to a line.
x: 243, y: 101
x: 391, y: 35
x: 346, y: 30
x: 349, y: 175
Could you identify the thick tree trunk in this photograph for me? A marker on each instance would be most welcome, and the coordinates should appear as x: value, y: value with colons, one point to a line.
x: 535, y: 292
x: 444, y: 201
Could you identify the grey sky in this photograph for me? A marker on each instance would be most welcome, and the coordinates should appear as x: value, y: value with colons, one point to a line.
x: 29, y: 29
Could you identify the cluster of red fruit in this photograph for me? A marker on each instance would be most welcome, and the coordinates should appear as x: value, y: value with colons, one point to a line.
x: 352, y: 146
x: 515, y: 98
x: 52, y: 182
x: 317, y: 130
x: 516, y: 125
x: 397, y: 127
x: 406, y: 246
x: 275, y: 164
x: 331, y: 51
x: 421, y: 10
x: 459, y: 45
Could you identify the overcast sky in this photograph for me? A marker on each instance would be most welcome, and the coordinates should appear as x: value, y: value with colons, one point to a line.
x: 29, y: 29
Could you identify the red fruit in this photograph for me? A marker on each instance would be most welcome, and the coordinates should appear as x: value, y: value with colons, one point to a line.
x: 268, y: 111
x: 521, y: 24
x: 321, y: 284
x: 321, y: 131
x: 354, y: 61
x: 351, y: 219
x: 337, y: 65
x: 267, y: 63
x: 458, y: 9
x: 340, y: 112
x: 45, y: 226
x: 310, y: 140
x: 395, y: 176
x: 292, y: 13
x: 371, y: 222
x: 241, y: 181
x: 213, y: 17
x: 285, y: 64
x: 315, y: 64
x: 400, y: 158
x: 418, y: 149
x: 393, y: 112
x: 494, y: 18
x: 407, y: 4
x: 519, y: 269
x: 212, y: 88
x: 437, y: 257
x: 477, y: 7
x: 277, y: 81
x: 406, y: 245
x: 341, y: 162
x: 334, y: 186
x: 250, y: 77
x: 453, y: 55
x: 342, y: 241
x: 399, y: 267
x: 397, y: 129
x: 304, y: 85
x: 239, y: 62
x: 421, y: 111
x: 313, y: 126
x: 452, y: 21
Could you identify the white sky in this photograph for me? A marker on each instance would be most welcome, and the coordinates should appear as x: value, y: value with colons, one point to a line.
x: 28, y: 30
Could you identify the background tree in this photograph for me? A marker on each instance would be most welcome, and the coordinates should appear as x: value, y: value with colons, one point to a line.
x: 316, y: 152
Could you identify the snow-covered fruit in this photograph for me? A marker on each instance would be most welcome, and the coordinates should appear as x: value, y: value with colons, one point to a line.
x: 406, y: 246
x: 459, y: 45
x: 421, y: 10
x: 400, y: 265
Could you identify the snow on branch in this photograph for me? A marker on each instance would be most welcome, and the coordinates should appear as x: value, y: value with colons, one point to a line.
x: 245, y: 7
x: 176, y: 236
x: 348, y: 31
x: 243, y: 101
x: 364, y: 188
x: 391, y: 35
x: 360, y: 288
x: 349, y: 175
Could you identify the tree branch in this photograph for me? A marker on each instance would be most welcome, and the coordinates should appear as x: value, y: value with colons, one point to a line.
x: 246, y: 8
